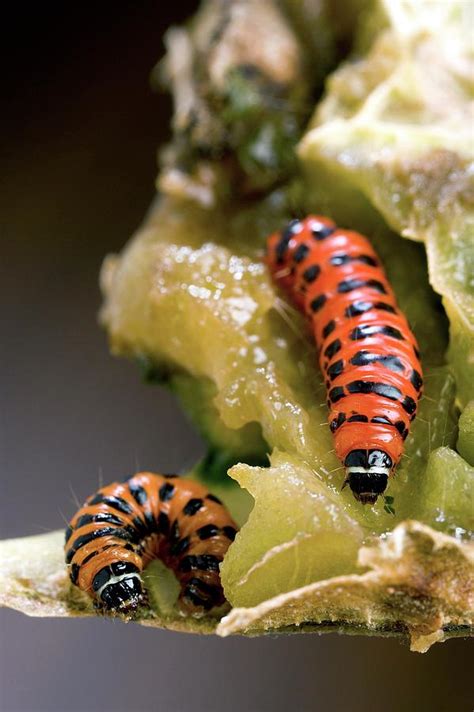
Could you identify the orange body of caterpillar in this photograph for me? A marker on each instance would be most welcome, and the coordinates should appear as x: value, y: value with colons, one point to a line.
x: 367, y: 352
x: 123, y: 526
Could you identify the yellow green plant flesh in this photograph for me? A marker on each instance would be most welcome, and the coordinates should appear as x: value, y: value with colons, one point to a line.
x: 190, y: 298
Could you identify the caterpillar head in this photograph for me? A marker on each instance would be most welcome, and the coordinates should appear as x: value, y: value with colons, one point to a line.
x: 367, y: 473
x: 119, y: 590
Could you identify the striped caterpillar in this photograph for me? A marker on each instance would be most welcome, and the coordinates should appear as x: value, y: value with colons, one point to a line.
x: 367, y: 352
x: 122, y: 527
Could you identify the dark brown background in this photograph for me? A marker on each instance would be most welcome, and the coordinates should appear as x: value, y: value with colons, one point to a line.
x: 81, y: 128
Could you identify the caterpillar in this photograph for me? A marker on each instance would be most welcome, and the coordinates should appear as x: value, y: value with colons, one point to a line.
x: 123, y: 526
x: 368, y: 354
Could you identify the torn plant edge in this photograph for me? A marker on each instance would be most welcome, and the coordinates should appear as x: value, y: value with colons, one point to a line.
x: 421, y: 583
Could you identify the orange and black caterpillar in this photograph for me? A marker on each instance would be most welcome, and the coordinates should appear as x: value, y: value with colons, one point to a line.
x: 367, y: 352
x: 123, y: 526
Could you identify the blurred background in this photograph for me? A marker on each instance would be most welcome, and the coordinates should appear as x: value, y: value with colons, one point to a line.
x: 80, y: 128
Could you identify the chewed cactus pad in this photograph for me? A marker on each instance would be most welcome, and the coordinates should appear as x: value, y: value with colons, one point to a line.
x: 191, y: 300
